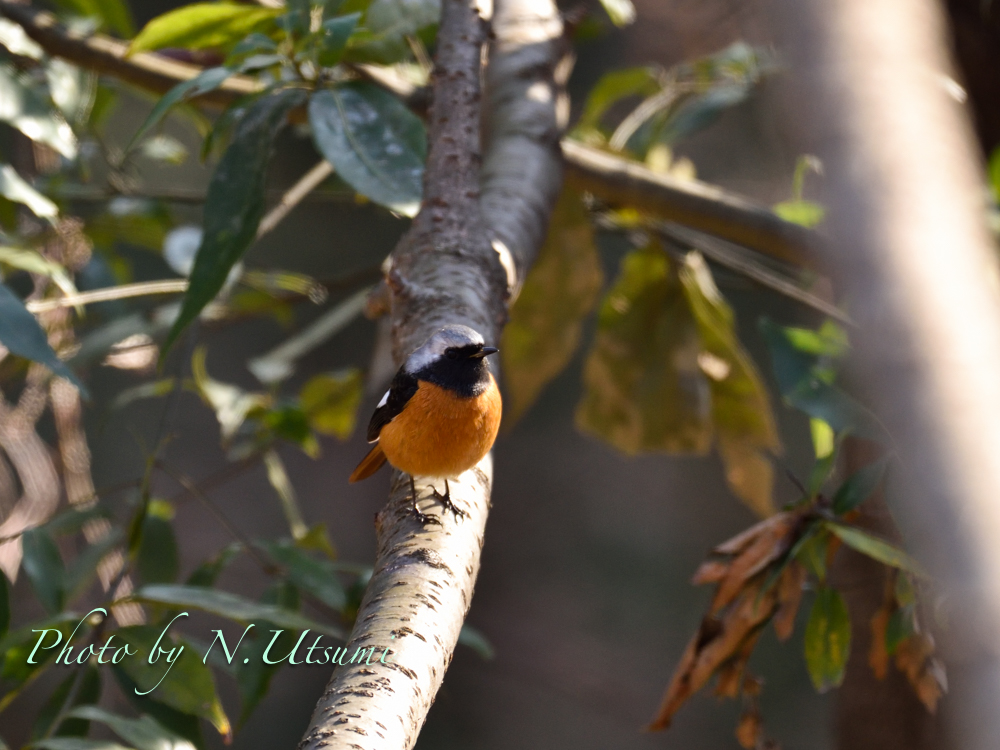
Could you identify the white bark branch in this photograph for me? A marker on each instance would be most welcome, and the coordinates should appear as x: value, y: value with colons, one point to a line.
x: 446, y: 271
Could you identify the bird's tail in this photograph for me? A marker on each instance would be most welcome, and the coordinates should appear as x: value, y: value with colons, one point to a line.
x: 369, y: 464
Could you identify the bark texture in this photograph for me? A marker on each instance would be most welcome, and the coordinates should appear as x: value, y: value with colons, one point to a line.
x: 446, y: 270
x: 907, y: 220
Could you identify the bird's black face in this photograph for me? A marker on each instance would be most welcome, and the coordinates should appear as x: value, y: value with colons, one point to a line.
x: 469, y: 351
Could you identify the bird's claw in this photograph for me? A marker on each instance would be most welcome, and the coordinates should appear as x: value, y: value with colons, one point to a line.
x: 446, y: 502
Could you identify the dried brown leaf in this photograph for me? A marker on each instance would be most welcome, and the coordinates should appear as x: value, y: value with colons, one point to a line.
x: 710, y: 571
x: 912, y: 655
x: 745, y: 538
x: 749, y: 729
x: 790, y: 587
x: 878, y: 655
x: 773, y: 541
x: 731, y: 674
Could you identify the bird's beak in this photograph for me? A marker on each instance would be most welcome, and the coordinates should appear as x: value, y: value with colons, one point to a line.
x: 485, y: 352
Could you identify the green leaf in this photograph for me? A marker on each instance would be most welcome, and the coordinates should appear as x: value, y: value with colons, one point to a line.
x: 207, y: 80
x: 333, y: 41
x: 621, y: 12
x: 859, y: 486
x: 827, y: 639
x: 741, y: 410
x: 993, y: 172
x: 615, y: 86
x: 330, y: 402
x: 546, y: 319
x: 204, y: 26
x: 644, y: 390
x: 292, y: 424
x: 21, y: 334
x: 14, y: 188
x: 88, y: 693
x: 875, y: 548
x: 805, y: 385
x: 811, y: 552
x: 316, y: 577
x: 110, y: 14
x: 802, y: 212
x: 278, y: 478
x: 231, y: 607
x: 44, y: 567
x: 143, y: 733
x: 34, y: 262
x: 158, y: 559
x: 389, y: 23
x: 17, y: 646
x: 181, y: 724
x: 469, y: 636
x: 235, y: 202
x: 185, y: 685
x: 254, y: 675
x: 24, y: 106
x: 899, y: 628
x: 376, y: 144
x: 700, y: 111
x: 208, y: 572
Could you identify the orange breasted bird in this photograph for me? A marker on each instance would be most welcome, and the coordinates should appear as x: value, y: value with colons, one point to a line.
x: 440, y: 415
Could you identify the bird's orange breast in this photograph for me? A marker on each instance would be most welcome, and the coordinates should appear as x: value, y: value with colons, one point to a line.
x: 440, y: 433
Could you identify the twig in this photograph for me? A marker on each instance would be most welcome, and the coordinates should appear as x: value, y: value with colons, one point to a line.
x: 309, y: 182
x: 123, y: 291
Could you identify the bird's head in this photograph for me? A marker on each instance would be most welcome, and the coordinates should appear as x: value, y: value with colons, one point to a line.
x: 454, y: 344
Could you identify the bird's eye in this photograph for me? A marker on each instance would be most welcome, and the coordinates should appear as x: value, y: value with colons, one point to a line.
x: 451, y: 353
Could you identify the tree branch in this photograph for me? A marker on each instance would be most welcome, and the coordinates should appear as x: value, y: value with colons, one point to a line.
x: 614, y: 180
x: 444, y: 271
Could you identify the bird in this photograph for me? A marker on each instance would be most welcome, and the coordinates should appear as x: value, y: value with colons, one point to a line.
x: 440, y: 415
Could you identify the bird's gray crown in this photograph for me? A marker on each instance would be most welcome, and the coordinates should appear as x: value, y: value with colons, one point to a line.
x: 451, y: 336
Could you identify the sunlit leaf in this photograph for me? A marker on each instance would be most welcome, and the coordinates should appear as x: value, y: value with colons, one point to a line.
x: 615, y: 86
x: 278, y: 478
x: 187, y: 685
x: 375, y: 143
x: 546, y: 320
x: 231, y: 607
x: 621, y: 12
x: 77, y: 743
x: 24, y: 106
x: 34, y: 262
x: 875, y: 548
x: 14, y: 188
x: 21, y: 334
x: 235, y: 202
x: 17, y: 41
x: 315, y: 576
x: 827, y: 639
x: 204, y: 26
x: 143, y: 733
x: 802, y: 212
x: 741, y: 409
x: 330, y: 401
x: 859, y: 486
x: 165, y: 148
x: 230, y: 403
x: 644, y: 389
x: 44, y: 568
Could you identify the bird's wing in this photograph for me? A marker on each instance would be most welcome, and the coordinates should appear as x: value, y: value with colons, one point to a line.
x: 400, y: 391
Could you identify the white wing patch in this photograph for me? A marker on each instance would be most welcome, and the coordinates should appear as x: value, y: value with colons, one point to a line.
x: 384, y: 401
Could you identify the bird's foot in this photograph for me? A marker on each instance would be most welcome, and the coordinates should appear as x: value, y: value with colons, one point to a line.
x: 422, y: 518
x: 446, y: 502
